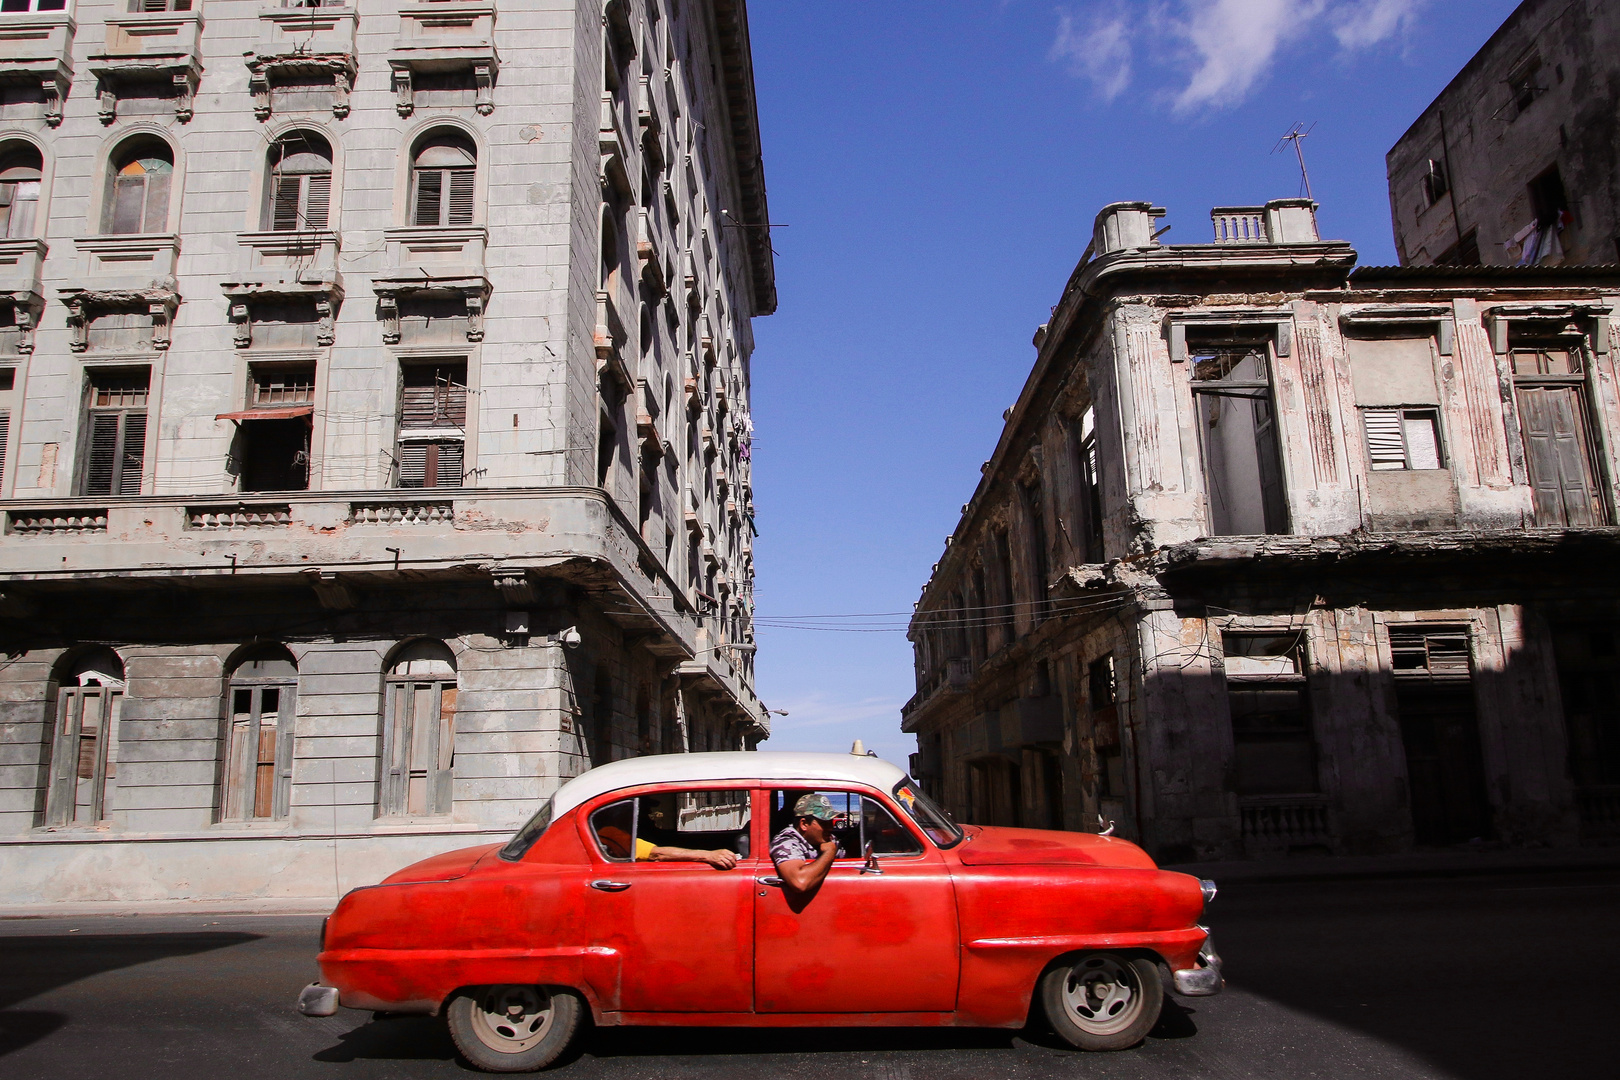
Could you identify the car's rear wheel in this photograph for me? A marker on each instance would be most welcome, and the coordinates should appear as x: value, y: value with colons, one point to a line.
x: 514, y: 1028
x: 1103, y: 1001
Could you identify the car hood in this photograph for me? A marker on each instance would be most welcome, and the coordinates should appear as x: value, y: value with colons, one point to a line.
x: 446, y: 867
x: 988, y: 845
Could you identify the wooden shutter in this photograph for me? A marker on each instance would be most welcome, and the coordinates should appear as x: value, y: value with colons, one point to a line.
x: 98, y: 477
x: 5, y: 430
x: 442, y: 786
x: 429, y: 197
x: 132, y: 454
x: 412, y: 465
x: 418, y: 406
x: 317, y: 200
x: 64, y: 758
x: 284, y: 204
x: 447, y: 469
x: 157, y: 202
x: 128, y: 204
x: 1386, y: 449
x: 1556, y: 454
x: 461, y: 197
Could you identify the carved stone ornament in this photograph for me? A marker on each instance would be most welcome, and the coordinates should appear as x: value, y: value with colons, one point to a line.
x: 25, y: 311
x: 183, y: 77
x: 474, y: 292
x: 327, y: 296
x: 83, y: 305
x: 263, y: 72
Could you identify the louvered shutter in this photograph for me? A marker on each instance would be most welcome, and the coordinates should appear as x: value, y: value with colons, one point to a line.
x: 413, y: 465
x: 132, y: 454
x: 461, y: 197
x: 317, y: 200
x: 5, y: 430
x: 1386, y: 449
x: 429, y: 197
x: 447, y: 470
x: 417, y: 407
x: 284, y: 205
x: 453, y: 404
x: 98, y: 477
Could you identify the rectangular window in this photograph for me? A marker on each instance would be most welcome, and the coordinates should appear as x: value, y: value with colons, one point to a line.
x: 420, y: 749
x: 1271, y: 727
x: 1403, y: 438
x: 300, y: 202
x: 444, y: 197
x: 8, y: 385
x: 631, y: 830
x: 116, y: 434
x: 19, y: 6
x: 289, y: 384
x: 137, y: 6
x: 1525, y: 84
x: 433, y: 416
x: 83, y: 762
x: 864, y: 821
x: 1237, y: 431
x: 1084, y: 436
x: 259, y: 754
x: 1435, y: 186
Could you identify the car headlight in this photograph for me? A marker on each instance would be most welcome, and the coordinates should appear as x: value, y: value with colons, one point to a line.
x: 1208, y: 888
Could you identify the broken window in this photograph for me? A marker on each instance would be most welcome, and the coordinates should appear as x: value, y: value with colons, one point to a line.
x: 1435, y: 697
x: 1237, y: 431
x: 1464, y: 252
x: 138, y: 192
x: 115, y: 427
x: 259, y: 737
x: 8, y: 384
x: 433, y: 419
x: 420, y: 730
x: 1548, y: 199
x: 1272, y: 738
x: 1102, y: 695
x: 1083, y: 437
x: 1403, y: 438
x: 1549, y: 389
x: 1525, y: 84
x: 300, y: 191
x: 20, y: 173
x: 90, y: 693
x: 273, y: 446
x: 1435, y: 186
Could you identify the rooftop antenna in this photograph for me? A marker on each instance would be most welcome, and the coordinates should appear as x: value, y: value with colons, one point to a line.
x: 1297, y: 135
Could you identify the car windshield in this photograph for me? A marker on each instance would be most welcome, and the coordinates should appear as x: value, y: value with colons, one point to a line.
x: 532, y: 830
x: 928, y: 814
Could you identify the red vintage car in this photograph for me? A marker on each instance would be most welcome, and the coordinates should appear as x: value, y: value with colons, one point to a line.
x: 643, y: 892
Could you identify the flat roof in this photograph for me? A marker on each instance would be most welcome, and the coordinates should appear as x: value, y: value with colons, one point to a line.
x: 726, y: 765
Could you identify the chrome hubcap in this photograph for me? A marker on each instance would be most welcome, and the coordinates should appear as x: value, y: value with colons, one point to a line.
x: 1102, y: 995
x: 511, y: 1019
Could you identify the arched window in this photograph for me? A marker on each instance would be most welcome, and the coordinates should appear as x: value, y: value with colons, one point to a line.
x: 442, y: 174
x: 419, y: 736
x: 299, y: 195
x: 259, y: 734
x: 138, y: 190
x: 90, y: 691
x: 20, y: 171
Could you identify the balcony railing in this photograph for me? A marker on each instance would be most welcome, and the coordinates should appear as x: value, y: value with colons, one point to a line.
x: 1240, y: 225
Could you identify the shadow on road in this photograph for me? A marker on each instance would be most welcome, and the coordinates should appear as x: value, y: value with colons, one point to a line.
x: 36, y: 965
x: 393, y: 1038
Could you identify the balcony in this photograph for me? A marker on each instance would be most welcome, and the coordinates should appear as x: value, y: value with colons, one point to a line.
x: 128, y: 260
x: 303, y: 44
x: 148, y: 47
x: 443, y: 36
x: 614, y: 147
x: 37, y: 50
x: 20, y: 289
x: 1281, y: 221
x: 434, y: 260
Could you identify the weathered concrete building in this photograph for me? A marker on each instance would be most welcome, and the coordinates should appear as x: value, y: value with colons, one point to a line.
x: 1518, y: 160
x: 374, y: 418
x: 1274, y: 554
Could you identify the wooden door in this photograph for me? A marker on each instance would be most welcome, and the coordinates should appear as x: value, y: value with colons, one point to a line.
x: 1558, y: 456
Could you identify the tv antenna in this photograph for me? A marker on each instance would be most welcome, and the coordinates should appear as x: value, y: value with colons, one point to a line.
x: 1296, y: 135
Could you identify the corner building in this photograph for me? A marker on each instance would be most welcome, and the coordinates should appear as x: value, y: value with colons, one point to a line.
x: 374, y: 425
x: 1278, y: 555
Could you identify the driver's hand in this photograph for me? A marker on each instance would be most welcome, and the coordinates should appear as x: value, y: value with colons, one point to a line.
x: 722, y: 859
x: 830, y: 847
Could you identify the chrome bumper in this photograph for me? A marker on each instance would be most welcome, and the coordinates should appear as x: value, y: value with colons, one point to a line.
x: 318, y: 1000
x: 1204, y: 980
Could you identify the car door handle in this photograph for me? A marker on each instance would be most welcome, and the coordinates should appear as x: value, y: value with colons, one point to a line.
x: 775, y: 882
x: 610, y: 886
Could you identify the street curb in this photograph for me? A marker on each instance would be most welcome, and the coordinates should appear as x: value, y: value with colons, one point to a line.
x: 300, y: 905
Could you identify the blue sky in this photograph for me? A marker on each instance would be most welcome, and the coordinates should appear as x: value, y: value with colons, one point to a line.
x: 938, y: 166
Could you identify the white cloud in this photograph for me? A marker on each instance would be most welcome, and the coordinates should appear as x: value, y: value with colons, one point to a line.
x: 1099, y: 49
x: 1370, y: 22
x: 821, y: 722
x: 1234, y: 42
x: 1228, y: 46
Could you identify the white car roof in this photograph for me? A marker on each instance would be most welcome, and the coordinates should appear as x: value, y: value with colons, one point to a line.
x: 812, y: 769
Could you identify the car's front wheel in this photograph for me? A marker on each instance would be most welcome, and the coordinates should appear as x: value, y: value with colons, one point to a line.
x: 514, y: 1028
x: 1103, y: 1001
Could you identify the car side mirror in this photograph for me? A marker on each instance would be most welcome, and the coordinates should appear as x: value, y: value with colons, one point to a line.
x: 871, y: 865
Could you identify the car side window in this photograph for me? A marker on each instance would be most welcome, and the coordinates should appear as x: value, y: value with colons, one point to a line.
x: 631, y: 829
x: 864, y: 820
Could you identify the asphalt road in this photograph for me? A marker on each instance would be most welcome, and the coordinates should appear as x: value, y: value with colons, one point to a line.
x: 1472, y: 977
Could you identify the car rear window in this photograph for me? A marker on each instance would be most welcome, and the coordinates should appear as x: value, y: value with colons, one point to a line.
x: 532, y: 830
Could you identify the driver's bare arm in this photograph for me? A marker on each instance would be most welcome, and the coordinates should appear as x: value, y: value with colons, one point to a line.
x: 801, y: 876
x: 720, y: 858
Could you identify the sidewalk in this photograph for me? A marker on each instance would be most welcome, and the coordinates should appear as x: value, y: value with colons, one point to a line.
x: 1421, y: 864
x: 302, y: 905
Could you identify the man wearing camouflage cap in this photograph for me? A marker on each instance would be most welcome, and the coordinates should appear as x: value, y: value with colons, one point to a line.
x: 805, y: 850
